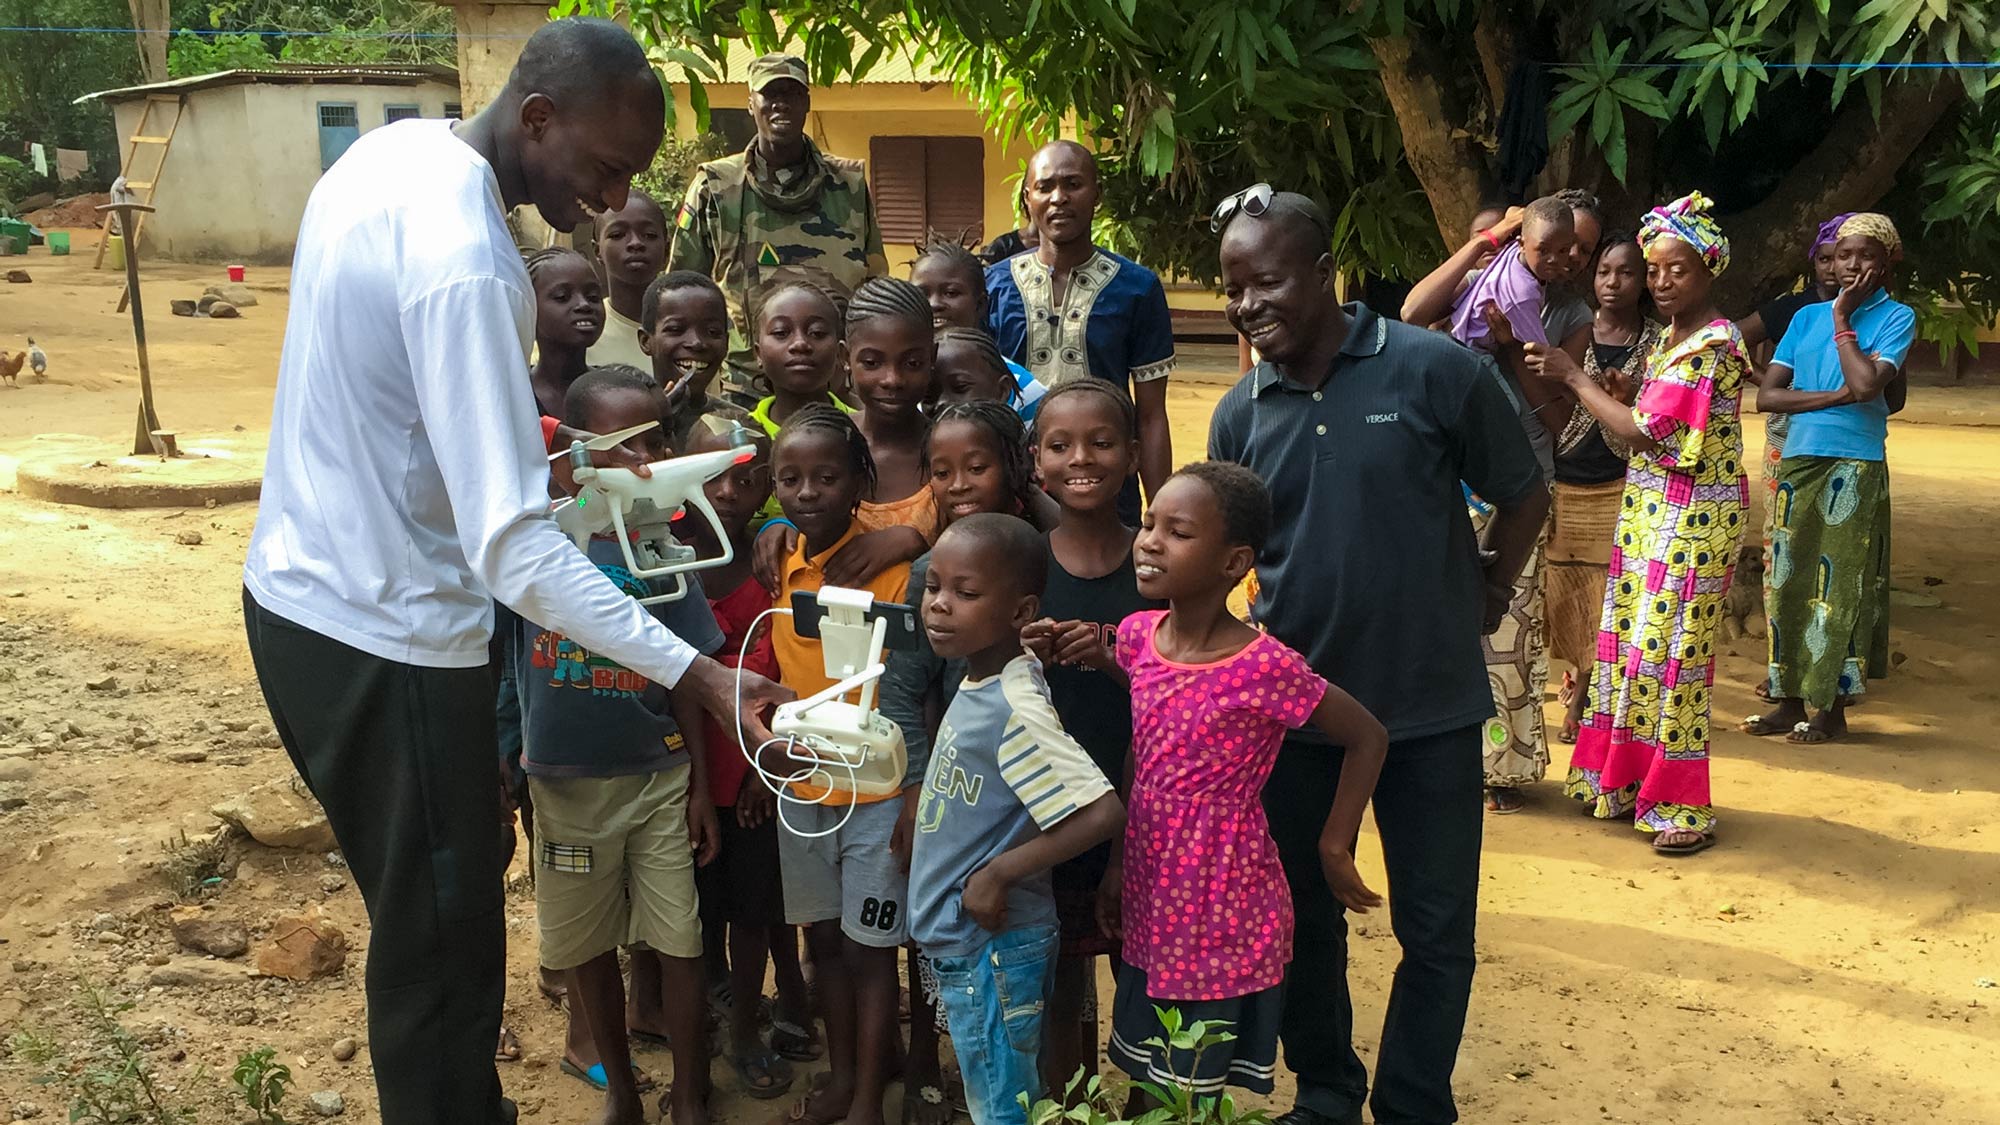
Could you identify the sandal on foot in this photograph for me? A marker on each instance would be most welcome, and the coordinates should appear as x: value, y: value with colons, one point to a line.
x: 1504, y: 799
x: 1810, y: 733
x: 1683, y: 841
x: 765, y: 1074
x: 802, y: 1113
x: 649, y: 1039
x: 509, y: 1047
x: 926, y: 1105
x: 1763, y: 726
x: 666, y: 1102
x: 593, y: 1076
x: 1568, y: 733
x: 793, y: 1042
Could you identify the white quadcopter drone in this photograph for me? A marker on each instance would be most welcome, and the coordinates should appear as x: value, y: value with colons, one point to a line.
x: 641, y: 511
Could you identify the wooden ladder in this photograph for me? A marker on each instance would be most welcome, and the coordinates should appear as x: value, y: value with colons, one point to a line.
x: 142, y: 189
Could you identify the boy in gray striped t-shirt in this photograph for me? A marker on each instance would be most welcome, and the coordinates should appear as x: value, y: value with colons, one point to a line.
x: 1008, y: 795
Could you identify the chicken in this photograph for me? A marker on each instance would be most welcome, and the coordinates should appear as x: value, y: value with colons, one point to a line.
x: 38, y: 360
x: 10, y: 366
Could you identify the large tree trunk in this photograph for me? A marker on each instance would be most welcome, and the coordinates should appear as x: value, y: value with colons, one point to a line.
x: 1447, y: 160
x: 152, y: 18
x: 1851, y: 170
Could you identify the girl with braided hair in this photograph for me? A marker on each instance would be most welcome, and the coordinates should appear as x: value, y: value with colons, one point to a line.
x: 569, y: 317
x: 839, y: 877
x: 889, y: 356
x: 955, y: 283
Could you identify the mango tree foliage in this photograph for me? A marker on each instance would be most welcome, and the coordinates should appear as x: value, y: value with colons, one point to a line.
x: 1785, y: 111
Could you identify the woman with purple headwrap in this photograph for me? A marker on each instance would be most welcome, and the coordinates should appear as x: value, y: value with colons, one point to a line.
x: 1761, y: 332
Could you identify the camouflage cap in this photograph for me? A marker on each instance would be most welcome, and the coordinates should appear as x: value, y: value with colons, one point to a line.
x: 771, y: 68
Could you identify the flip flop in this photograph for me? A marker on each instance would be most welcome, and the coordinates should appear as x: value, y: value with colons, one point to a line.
x: 594, y: 1077
x: 768, y: 1065
x: 1702, y: 842
x: 1761, y: 727
x: 793, y: 1042
x: 919, y: 1097
x: 802, y: 1113
x: 1504, y: 799
x: 509, y: 1047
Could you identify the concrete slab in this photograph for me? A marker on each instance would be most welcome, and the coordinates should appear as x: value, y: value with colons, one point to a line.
x: 73, y: 469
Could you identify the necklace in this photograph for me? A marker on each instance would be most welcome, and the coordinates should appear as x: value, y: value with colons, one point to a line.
x: 1632, y: 368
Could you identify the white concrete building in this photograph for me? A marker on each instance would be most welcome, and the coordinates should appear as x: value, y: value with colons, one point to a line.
x: 251, y: 144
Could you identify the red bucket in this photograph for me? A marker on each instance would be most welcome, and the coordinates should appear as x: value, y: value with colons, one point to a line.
x: 236, y: 273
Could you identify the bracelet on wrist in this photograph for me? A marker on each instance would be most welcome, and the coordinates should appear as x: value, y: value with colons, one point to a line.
x: 1491, y: 239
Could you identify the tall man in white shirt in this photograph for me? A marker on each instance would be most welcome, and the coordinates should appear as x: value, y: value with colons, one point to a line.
x: 405, y: 492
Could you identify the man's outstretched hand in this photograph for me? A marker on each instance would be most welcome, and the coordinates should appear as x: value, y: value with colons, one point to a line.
x: 715, y: 686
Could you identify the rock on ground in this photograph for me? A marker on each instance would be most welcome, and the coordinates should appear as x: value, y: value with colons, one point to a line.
x: 234, y: 292
x: 217, y: 937
x: 191, y: 973
x: 326, y: 1103
x: 279, y: 814
x: 302, y: 948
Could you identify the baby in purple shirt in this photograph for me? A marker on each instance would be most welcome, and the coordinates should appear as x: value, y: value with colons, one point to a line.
x: 1516, y: 278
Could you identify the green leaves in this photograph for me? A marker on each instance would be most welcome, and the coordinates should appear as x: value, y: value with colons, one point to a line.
x: 1719, y: 65
x: 1603, y: 87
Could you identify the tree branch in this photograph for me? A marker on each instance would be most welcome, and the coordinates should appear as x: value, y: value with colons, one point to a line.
x: 1851, y: 170
x: 1499, y: 46
x: 1436, y: 142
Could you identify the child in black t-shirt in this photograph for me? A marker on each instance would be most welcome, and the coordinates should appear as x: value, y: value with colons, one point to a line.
x: 1086, y: 446
x: 617, y: 772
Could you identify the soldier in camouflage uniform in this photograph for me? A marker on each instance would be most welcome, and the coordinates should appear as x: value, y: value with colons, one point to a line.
x: 779, y: 212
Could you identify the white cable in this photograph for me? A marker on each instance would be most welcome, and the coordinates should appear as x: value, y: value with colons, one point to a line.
x: 811, y: 765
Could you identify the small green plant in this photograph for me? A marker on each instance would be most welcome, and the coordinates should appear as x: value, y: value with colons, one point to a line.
x: 263, y: 1083
x: 1093, y: 1102
x: 194, y: 868
x: 108, y: 1080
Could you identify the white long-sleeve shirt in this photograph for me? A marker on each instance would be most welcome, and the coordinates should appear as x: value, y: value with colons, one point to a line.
x: 406, y: 488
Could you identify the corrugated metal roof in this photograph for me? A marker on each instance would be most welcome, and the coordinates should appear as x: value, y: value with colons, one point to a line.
x: 286, y: 74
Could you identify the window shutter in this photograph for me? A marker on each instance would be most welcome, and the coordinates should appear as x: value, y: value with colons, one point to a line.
x: 896, y: 168
x: 955, y: 186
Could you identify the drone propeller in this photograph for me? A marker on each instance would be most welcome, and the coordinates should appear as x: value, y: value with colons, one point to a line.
x: 606, y: 441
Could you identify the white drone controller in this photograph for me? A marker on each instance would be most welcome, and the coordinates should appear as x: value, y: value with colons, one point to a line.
x: 641, y: 511
x: 842, y: 745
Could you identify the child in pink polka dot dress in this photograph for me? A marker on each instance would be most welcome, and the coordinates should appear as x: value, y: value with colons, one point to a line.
x: 1205, y: 914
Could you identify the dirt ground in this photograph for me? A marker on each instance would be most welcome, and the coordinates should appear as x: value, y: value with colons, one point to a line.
x: 1833, y: 961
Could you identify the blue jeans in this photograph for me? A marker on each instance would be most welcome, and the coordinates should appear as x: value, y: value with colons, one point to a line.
x: 993, y: 1000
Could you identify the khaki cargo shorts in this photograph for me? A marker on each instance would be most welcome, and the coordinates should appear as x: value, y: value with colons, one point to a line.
x: 613, y: 867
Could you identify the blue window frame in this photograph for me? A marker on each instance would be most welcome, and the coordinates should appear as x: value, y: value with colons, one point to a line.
x: 339, y: 127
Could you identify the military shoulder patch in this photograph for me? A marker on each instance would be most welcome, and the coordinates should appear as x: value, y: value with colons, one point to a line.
x: 684, y: 218
x: 768, y: 257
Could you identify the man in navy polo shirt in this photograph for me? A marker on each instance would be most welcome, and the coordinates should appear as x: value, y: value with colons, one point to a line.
x: 1363, y: 429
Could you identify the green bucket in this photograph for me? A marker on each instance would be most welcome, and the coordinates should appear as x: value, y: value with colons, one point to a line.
x: 58, y: 241
x: 16, y: 232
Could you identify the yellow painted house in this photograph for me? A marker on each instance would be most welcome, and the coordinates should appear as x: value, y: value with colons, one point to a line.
x: 931, y: 161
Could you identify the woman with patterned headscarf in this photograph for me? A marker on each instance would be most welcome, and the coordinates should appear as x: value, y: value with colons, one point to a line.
x: 1828, y: 584
x: 1642, y: 751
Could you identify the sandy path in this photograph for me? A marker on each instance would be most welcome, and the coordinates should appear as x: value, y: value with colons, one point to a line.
x: 1843, y: 984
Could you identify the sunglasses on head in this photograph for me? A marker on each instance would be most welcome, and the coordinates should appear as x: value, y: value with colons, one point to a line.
x: 1252, y: 201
